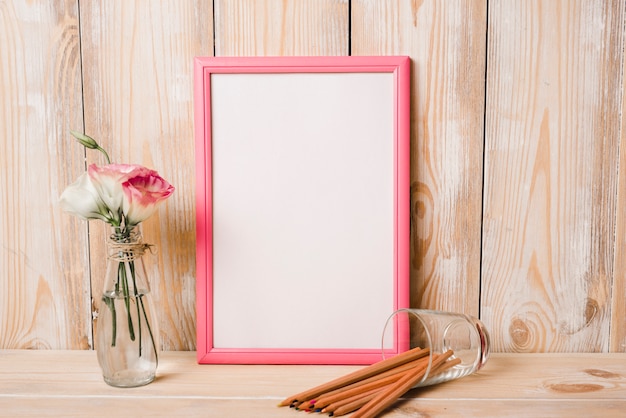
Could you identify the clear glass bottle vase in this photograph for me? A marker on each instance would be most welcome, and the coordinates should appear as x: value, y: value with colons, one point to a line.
x: 127, y: 335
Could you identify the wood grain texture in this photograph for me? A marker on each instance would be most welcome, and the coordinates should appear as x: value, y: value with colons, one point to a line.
x: 551, y: 164
x: 522, y: 98
x: 618, y: 299
x: 446, y: 42
x: 59, y: 383
x: 44, y: 288
x: 138, y: 87
x: 277, y: 27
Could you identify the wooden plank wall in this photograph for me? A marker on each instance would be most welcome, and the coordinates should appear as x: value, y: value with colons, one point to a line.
x: 516, y: 152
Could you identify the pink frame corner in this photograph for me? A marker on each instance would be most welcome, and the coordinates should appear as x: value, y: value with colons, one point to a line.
x: 399, y: 66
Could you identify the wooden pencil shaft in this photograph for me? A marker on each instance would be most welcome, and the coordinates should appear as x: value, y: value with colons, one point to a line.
x: 373, y: 382
x: 388, y: 376
x: 390, y: 395
x: 352, y: 406
x: 363, y: 373
x: 363, y: 388
x: 421, y: 362
x: 445, y: 366
x: 393, y: 371
x: 355, y: 388
x: 327, y: 400
x: 331, y: 401
x: 368, y: 394
x: 385, y: 398
x: 346, y: 408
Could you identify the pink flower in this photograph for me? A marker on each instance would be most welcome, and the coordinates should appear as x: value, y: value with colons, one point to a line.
x: 144, y: 190
x: 107, y: 180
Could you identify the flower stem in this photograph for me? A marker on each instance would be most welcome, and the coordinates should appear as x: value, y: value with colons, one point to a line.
x: 126, y: 286
x: 143, y: 308
x: 137, y: 302
x: 105, y: 154
x: 110, y: 302
x: 126, y: 291
x: 89, y: 142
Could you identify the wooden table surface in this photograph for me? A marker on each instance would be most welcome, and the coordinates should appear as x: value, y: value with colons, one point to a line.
x: 47, y: 383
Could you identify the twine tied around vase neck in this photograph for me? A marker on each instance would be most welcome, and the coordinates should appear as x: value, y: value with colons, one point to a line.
x: 128, y: 249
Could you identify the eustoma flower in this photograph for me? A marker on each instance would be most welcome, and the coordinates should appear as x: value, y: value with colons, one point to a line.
x: 130, y: 191
x: 144, y: 190
x: 107, y: 180
x: 83, y: 200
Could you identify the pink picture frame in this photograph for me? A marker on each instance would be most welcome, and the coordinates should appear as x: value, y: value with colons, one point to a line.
x: 302, y: 207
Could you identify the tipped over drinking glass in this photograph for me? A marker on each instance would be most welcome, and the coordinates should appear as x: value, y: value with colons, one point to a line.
x: 457, y: 344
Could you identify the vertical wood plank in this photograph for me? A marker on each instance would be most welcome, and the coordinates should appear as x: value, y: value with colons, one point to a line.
x: 277, y: 27
x: 446, y: 42
x: 618, y: 299
x: 44, y: 280
x: 553, y: 275
x: 552, y: 145
x: 138, y: 84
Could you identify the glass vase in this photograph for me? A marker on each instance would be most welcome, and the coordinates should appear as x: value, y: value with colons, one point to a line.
x: 127, y: 337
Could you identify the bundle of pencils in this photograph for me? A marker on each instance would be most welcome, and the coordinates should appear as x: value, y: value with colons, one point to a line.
x: 370, y: 390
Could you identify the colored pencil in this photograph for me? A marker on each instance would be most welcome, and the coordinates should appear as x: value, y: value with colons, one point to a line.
x: 359, y: 396
x: 385, y: 398
x: 369, y: 391
x: 326, y: 399
x: 343, y: 408
x: 351, y: 406
x: 355, y: 388
x: 360, y: 374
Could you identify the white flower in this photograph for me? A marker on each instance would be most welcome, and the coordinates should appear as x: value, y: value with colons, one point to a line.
x: 82, y: 199
x: 107, y: 180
